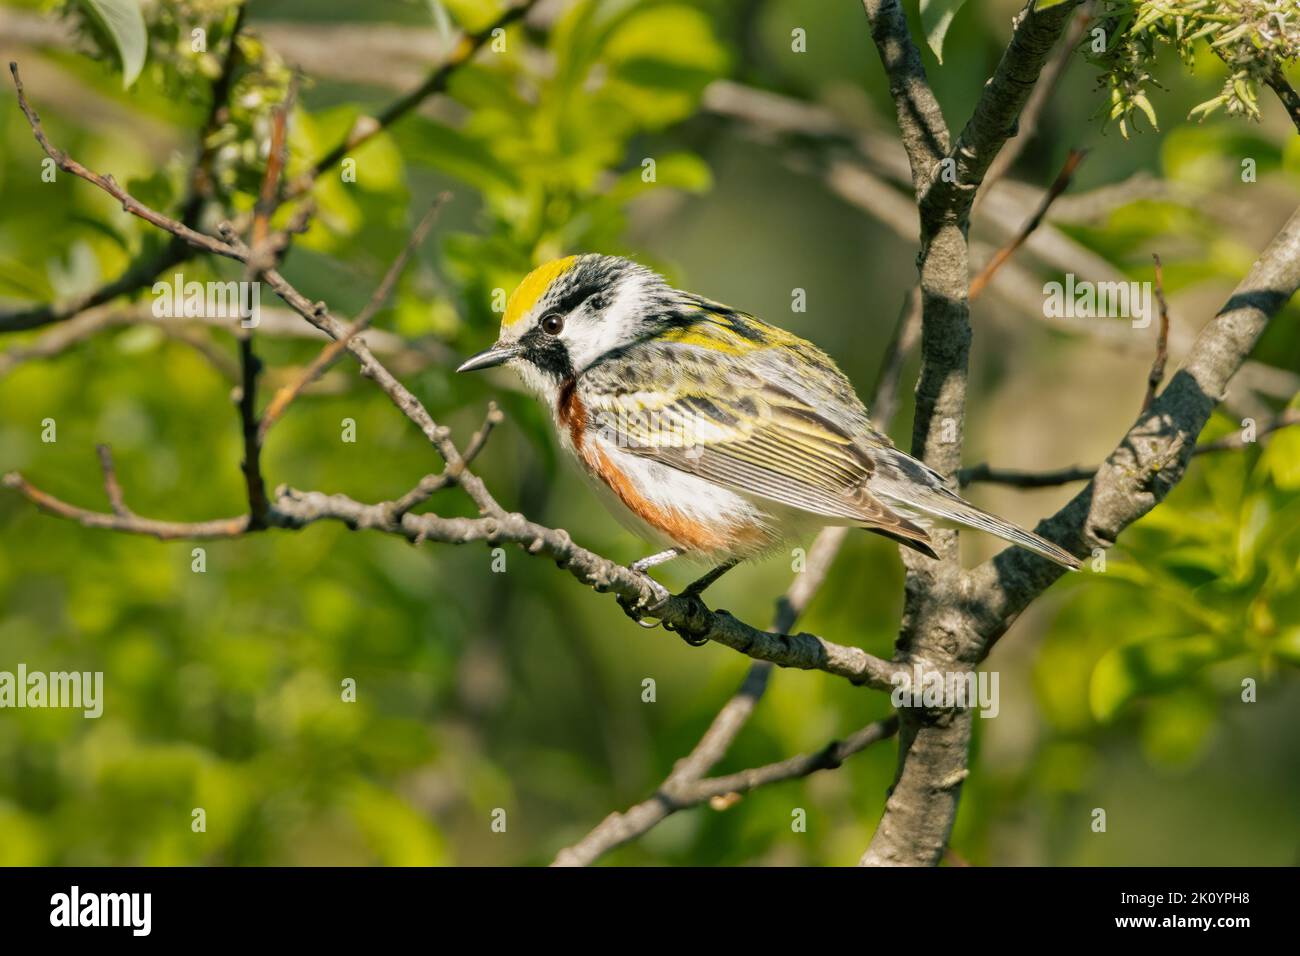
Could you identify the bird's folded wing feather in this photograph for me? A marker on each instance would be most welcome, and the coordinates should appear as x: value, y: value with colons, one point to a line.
x: 750, y: 429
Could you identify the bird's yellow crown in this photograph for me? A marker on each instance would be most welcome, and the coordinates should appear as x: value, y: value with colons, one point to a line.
x: 533, y: 287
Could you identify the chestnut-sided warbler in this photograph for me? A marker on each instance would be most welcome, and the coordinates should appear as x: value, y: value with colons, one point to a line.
x: 709, y: 431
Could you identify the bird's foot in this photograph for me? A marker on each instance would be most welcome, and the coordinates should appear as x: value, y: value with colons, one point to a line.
x: 638, y: 609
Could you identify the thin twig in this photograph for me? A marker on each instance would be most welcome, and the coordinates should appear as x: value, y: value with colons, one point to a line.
x: 1027, y: 125
x: 720, y: 792
x: 907, y: 332
x: 130, y: 204
x: 984, y: 474
x: 277, y: 158
x: 129, y: 523
x: 336, y: 348
x: 1237, y: 440
x: 1157, y: 373
x: 436, y: 82
x: 620, y: 828
x: 111, y: 486
x: 827, y: 758
x: 430, y: 484
x: 262, y: 255
x: 1059, y: 186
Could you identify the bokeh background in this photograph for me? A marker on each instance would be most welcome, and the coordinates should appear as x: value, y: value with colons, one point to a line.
x: 522, y: 690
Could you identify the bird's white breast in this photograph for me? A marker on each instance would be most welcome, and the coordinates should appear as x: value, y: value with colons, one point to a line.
x: 707, y: 520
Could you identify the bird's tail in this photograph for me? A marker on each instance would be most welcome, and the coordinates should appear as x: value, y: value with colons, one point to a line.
x: 915, y: 490
x: 943, y: 504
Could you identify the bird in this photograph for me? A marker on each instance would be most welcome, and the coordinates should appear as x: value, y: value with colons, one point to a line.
x: 711, y: 433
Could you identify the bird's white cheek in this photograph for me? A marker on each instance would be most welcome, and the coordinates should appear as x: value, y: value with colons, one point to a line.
x: 589, y: 338
x: 596, y: 341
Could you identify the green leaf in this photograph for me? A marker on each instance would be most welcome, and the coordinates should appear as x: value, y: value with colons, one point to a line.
x: 20, y: 279
x: 1048, y: 4
x: 1132, y: 669
x: 453, y: 152
x: 1282, y: 458
x: 684, y: 171
x: 936, y: 17
x: 657, y: 83
x: 1287, y: 646
x: 1176, y: 729
x: 124, y: 23
x: 1144, y: 104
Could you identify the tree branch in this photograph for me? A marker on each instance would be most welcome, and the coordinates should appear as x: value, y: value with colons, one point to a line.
x: 1237, y: 440
x: 997, y: 112
x: 920, y: 119
x: 1153, y: 455
x: 686, y: 615
x: 144, y: 270
x: 128, y: 523
x: 984, y: 474
x: 680, y: 794
x: 933, y: 748
x: 620, y: 828
x: 435, y: 82
x: 111, y: 486
x: 1027, y: 125
x: 1287, y: 94
x: 331, y: 352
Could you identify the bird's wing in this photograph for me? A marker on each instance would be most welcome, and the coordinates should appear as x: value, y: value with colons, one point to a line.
x: 748, y: 421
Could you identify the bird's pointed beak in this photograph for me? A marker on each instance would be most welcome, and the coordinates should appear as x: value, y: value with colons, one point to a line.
x: 489, y: 357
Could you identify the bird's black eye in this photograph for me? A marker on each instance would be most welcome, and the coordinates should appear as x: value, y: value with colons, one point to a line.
x: 553, y: 323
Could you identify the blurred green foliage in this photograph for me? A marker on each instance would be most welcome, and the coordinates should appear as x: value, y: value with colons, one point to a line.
x: 521, y: 691
x: 1257, y: 39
